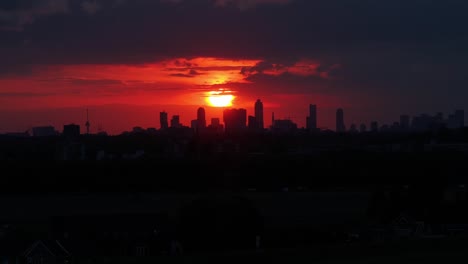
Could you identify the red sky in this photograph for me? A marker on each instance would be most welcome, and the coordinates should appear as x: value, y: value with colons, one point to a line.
x: 178, y: 86
x: 127, y: 60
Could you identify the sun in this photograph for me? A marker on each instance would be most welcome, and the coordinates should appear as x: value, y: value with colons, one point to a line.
x: 220, y: 98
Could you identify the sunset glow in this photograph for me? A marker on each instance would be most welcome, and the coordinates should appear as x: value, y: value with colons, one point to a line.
x: 220, y: 98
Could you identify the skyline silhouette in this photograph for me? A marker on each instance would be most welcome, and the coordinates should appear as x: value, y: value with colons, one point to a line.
x: 404, y: 122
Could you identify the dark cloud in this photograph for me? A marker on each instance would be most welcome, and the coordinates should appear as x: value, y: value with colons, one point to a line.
x: 391, y: 47
x: 181, y: 75
x: 191, y: 73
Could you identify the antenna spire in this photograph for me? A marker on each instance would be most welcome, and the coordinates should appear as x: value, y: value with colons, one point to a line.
x: 87, y: 122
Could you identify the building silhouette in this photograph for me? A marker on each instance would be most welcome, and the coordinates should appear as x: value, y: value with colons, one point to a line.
x: 362, y: 128
x: 404, y: 122
x: 43, y: 131
x: 340, y: 125
x: 311, y: 120
x: 235, y: 120
x: 163, y: 120
x: 87, y: 124
x: 460, y: 117
x: 201, y: 119
x: 259, y: 114
x: 175, y: 121
x: 71, y: 131
x: 283, y: 126
x: 252, y: 122
x: 194, y: 125
x: 215, y: 125
x: 374, y: 126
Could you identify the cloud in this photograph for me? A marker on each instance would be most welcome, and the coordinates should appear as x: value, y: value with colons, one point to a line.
x: 302, y: 67
x: 14, y: 15
x: 246, y: 4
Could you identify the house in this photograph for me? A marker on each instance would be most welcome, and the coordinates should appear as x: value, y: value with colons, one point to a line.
x: 46, y: 252
x: 37, y: 252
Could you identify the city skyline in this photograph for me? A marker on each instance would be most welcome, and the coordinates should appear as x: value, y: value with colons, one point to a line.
x: 123, y: 61
x: 236, y: 120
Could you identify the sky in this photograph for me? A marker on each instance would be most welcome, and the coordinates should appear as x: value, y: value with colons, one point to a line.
x: 128, y: 60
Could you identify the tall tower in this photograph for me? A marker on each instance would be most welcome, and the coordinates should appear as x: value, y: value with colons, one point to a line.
x: 163, y: 120
x: 87, y: 122
x: 272, y: 118
x: 312, y: 118
x: 235, y: 120
x: 259, y: 114
x: 340, y: 126
x: 201, y: 118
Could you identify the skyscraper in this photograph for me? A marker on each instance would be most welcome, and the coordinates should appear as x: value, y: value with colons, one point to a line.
x: 311, y: 121
x: 252, y: 123
x: 259, y: 114
x: 340, y: 126
x: 175, y: 121
x: 163, y: 120
x: 235, y: 120
x: 404, y: 122
x: 201, y: 119
x: 460, y: 117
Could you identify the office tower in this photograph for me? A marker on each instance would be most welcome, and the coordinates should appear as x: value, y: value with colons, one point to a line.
x: 340, y: 126
x: 272, y: 118
x: 374, y: 126
x: 252, y: 123
x: 311, y: 121
x: 175, y: 121
x: 194, y: 125
x: 404, y: 122
x: 460, y: 117
x: 235, y: 120
x: 362, y: 128
x: 201, y: 118
x: 163, y: 120
x: 259, y: 114
x: 87, y: 124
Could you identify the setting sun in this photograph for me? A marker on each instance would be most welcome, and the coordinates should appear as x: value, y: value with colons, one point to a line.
x: 220, y: 98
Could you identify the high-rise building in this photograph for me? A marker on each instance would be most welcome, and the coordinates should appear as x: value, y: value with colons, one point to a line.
x: 194, y: 125
x: 404, y: 122
x: 460, y: 117
x: 252, y: 122
x: 235, y: 120
x: 175, y: 121
x: 163, y: 120
x: 340, y: 126
x: 201, y: 118
x: 259, y: 114
x: 311, y: 121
